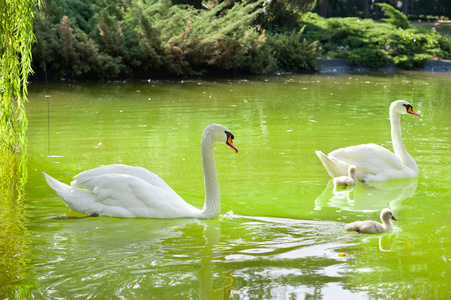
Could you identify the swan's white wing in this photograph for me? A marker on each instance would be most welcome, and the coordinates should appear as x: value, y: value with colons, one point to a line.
x: 369, y: 158
x: 128, y: 196
x: 138, y: 172
x: 369, y: 227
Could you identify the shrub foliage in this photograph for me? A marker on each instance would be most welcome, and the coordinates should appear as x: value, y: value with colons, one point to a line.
x: 141, y: 38
x: 374, y: 44
x: 395, y: 17
x: 123, y: 38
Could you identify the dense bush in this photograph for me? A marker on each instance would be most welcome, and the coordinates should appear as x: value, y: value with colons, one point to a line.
x: 111, y: 39
x: 369, y: 57
x: 293, y: 51
x: 148, y: 38
x: 395, y: 17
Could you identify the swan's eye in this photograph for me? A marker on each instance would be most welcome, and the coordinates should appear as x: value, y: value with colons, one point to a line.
x: 229, y: 135
x: 410, y: 110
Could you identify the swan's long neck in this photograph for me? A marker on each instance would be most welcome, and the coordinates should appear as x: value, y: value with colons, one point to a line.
x: 212, y: 205
x: 398, y: 146
x: 388, y: 225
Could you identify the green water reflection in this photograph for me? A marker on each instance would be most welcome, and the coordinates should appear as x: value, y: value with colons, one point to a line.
x: 15, y: 239
x: 280, y: 234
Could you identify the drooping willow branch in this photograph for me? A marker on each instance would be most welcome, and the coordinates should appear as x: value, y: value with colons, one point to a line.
x: 16, y: 38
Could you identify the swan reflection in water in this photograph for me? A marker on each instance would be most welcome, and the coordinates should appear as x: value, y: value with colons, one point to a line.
x: 206, y: 259
x: 386, y: 242
x: 144, y: 251
x: 212, y: 235
x: 368, y: 197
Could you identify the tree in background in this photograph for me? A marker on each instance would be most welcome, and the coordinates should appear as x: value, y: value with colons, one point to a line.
x: 16, y: 38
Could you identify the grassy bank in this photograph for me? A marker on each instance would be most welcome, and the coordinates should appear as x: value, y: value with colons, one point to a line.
x: 376, y: 44
x: 443, y: 27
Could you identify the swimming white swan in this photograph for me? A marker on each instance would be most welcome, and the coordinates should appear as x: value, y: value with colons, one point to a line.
x: 372, y: 227
x: 347, y: 180
x: 374, y: 162
x: 133, y: 192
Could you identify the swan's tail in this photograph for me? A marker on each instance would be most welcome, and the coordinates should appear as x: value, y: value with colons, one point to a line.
x: 354, y: 226
x: 62, y: 189
x: 331, y: 167
x: 78, y: 200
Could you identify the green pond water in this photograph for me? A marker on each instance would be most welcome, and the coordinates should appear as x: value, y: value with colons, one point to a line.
x: 281, y: 232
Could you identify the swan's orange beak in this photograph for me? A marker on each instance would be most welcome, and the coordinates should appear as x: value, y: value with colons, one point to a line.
x: 412, y: 112
x: 231, y: 145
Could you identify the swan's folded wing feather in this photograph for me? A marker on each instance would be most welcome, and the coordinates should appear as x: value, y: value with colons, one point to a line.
x: 370, y: 158
x: 333, y: 167
x: 139, y: 172
x: 354, y: 226
x: 371, y: 227
x: 136, y: 196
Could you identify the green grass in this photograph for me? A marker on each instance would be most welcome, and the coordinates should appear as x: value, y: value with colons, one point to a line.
x: 443, y: 28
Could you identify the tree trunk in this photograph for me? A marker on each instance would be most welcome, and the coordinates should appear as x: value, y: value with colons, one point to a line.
x: 324, y: 10
x: 335, y: 5
x: 405, y: 7
x: 377, y: 10
x: 366, y: 9
x: 348, y: 8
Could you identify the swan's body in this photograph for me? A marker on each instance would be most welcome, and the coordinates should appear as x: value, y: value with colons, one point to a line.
x: 134, y: 192
x: 349, y: 180
x: 374, y: 162
x: 372, y: 227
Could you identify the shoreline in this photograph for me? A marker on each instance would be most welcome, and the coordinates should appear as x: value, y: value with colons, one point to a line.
x: 324, y: 67
x: 339, y: 65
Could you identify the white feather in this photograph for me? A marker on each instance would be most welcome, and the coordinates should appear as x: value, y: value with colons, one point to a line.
x: 373, y: 227
x: 349, y: 180
x: 374, y: 162
x: 134, y: 192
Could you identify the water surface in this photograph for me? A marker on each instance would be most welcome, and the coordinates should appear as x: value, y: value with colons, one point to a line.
x: 281, y: 230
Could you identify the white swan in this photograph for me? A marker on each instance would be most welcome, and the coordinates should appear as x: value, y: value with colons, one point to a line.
x: 133, y: 192
x: 347, y: 180
x: 372, y: 227
x: 374, y: 162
